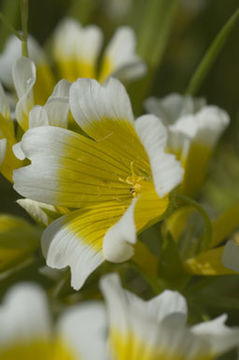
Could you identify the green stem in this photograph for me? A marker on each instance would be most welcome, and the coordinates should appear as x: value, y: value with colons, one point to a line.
x: 151, y: 281
x: 10, y: 27
x: 61, y: 284
x: 24, y: 18
x: 211, y: 54
x: 206, y: 239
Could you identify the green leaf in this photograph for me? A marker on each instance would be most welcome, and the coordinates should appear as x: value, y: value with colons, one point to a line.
x: 225, y: 224
x: 155, y: 29
x: 211, y: 54
x: 18, y: 240
x: 206, y: 239
x: 153, y: 34
x: 170, y: 264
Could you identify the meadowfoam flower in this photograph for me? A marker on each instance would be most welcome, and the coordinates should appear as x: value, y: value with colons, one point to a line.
x: 54, y: 112
x: 12, y: 51
x: 194, y: 129
x: 116, y: 180
x: 8, y: 162
x: 27, y: 331
x: 75, y: 52
x: 56, y: 106
x: 156, y: 329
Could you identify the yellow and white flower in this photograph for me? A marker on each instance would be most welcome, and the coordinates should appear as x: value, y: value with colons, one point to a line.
x: 8, y: 162
x: 116, y: 180
x: 56, y: 107
x: 194, y: 129
x: 54, y: 112
x: 157, y: 330
x: 27, y: 331
x: 75, y: 51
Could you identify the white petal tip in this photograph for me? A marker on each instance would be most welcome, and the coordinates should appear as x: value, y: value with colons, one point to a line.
x: 117, y: 254
x: 230, y: 257
x: 17, y: 150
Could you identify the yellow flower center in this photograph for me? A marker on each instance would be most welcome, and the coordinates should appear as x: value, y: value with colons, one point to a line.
x: 135, y: 181
x: 38, y: 350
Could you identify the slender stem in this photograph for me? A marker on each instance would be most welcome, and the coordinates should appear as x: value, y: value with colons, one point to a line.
x: 61, y: 284
x: 211, y: 54
x: 24, y: 17
x: 150, y: 280
x: 10, y: 27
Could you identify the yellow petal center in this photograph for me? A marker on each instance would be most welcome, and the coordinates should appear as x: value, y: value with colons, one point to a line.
x: 38, y: 350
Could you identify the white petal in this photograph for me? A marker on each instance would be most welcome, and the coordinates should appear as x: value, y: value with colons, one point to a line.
x: 71, y: 41
x: 38, y: 181
x: 173, y: 106
x: 24, y: 77
x: 167, y: 171
x: 35, y: 210
x: 18, y: 152
x: 116, y: 302
x: 117, y: 244
x: 121, y: 52
x: 205, y: 127
x: 62, y: 247
x: 91, y: 102
x: 230, y: 257
x: 167, y: 303
x: 57, y: 106
x: 38, y: 117
x: 90, y: 45
x: 130, y: 71
x: 84, y: 329
x: 3, y: 147
x: 24, y: 315
x: 66, y: 38
x: 146, y: 329
x: 220, y: 337
x: 178, y: 143
x: 12, y: 51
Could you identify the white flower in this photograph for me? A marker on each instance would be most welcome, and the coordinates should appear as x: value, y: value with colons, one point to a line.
x: 115, y: 182
x: 194, y: 129
x: 156, y: 329
x: 76, y: 52
x: 27, y: 331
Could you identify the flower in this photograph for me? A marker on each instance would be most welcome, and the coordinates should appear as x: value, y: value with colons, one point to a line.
x: 75, y: 53
x: 156, y: 329
x: 7, y: 138
x: 118, y: 178
x: 29, y: 333
x: 194, y: 129
x: 54, y: 112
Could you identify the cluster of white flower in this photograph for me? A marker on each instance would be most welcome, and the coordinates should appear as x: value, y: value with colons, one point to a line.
x: 94, y: 177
